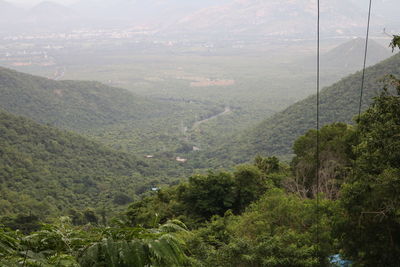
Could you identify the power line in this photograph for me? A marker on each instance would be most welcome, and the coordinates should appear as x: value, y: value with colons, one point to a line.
x: 365, y: 59
x: 318, y: 105
x: 318, y: 126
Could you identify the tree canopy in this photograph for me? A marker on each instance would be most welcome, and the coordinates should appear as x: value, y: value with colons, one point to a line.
x: 369, y: 226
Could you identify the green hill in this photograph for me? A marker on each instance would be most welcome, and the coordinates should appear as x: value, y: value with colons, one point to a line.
x: 110, y: 115
x: 45, y: 171
x: 338, y: 103
x: 75, y: 105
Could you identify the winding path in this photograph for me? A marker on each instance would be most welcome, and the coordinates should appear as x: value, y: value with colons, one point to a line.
x: 198, y: 123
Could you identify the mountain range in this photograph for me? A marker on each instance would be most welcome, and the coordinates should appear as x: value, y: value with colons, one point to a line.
x: 274, y: 18
x: 231, y: 18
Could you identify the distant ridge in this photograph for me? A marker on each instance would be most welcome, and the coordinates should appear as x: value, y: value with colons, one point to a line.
x: 278, y: 18
x: 225, y: 18
x: 50, y: 11
x: 350, y: 55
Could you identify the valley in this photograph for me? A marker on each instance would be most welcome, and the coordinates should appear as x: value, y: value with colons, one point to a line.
x: 193, y: 78
x: 190, y: 133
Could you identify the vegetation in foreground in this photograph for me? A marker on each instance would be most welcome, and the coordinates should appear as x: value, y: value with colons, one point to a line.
x: 262, y: 214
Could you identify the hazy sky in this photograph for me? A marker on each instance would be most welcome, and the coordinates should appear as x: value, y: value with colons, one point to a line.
x: 34, y: 2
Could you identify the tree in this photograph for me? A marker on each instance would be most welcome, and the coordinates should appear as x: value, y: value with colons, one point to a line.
x: 137, y: 247
x: 335, y: 157
x: 395, y: 42
x: 208, y: 195
x: 267, y: 165
x: 369, y: 226
x: 278, y: 230
x: 24, y: 223
x: 61, y: 244
x: 250, y: 184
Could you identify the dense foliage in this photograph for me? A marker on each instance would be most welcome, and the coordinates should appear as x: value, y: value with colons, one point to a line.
x: 252, y: 216
x: 279, y: 229
x: 45, y: 171
x: 204, y: 196
x: 61, y: 244
x: 369, y: 225
x: 335, y: 160
x: 289, y: 223
x: 110, y: 115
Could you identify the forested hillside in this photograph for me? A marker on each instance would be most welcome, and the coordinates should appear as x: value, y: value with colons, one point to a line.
x: 75, y: 105
x: 339, y: 103
x: 45, y: 171
x: 111, y: 115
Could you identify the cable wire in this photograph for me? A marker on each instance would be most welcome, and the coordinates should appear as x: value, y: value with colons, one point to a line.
x: 318, y: 115
x: 365, y: 59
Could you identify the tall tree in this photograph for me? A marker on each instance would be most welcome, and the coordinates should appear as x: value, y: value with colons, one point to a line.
x: 250, y: 185
x: 334, y: 157
x: 369, y: 227
x: 208, y: 195
x: 395, y: 42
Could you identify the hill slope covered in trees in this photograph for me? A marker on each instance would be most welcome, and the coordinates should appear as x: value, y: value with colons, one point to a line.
x: 338, y: 103
x: 111, y: 115
x: 262, y: 214
x: 44, y: 171
x: 74, y: 105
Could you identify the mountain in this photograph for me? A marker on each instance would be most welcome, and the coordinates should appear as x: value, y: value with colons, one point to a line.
x: 338, y: 103
x: 96, y: 14
x: 219, y: 18
x: 48, y: 16
x: 150, y: 11
x: 348, y: 57
x: 294, y: 18
x: 240, y: 18
x: 150, y: 14
x: 45, y: 171
x: 49, y: 11
x: 43, y: 17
